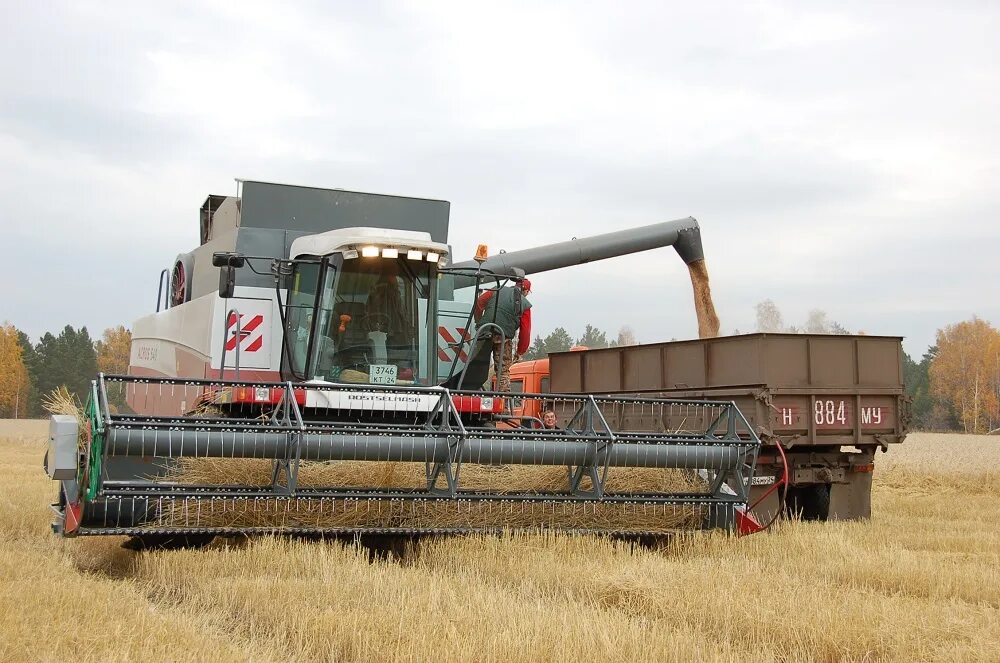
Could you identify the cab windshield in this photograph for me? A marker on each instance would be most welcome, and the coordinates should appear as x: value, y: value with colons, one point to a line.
x: 371, y: 321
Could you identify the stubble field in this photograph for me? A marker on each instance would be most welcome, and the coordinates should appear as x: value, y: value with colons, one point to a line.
x: 920, y: 581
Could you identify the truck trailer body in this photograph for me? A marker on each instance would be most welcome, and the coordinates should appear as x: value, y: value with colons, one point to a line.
x: 829, y: 401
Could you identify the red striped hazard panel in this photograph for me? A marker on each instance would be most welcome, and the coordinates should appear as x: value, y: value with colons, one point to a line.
x: 251, y: 334
x: 451, y: 344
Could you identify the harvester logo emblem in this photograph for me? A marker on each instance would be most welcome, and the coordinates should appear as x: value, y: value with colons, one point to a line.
x: 251, y: 336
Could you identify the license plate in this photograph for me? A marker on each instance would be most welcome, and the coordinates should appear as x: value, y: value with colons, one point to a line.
x: 382, y: 373
x: 762, y: 480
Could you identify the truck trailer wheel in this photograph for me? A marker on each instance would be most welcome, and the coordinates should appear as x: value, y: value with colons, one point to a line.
x: 810, y: 502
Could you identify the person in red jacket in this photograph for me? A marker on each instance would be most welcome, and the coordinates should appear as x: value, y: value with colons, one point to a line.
x: 509, y: 309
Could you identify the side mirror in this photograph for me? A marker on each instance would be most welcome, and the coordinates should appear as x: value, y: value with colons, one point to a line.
x: 227, y: 264
x: 227, y: 281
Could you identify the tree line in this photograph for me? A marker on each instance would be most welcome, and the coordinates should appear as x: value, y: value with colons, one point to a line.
x: 29, y: 371
x: 954, y: 386
x: 559, y: 340
x: 769, y: 319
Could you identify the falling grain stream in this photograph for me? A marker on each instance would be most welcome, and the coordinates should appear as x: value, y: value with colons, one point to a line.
x: 708, y: 321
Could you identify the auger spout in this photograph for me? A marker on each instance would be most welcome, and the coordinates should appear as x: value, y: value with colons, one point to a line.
x: 683, y: 234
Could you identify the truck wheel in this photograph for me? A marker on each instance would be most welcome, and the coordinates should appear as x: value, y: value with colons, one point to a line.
x: 809, y: 502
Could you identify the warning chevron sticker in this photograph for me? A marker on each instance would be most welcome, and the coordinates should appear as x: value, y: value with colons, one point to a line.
x: 250, y: 336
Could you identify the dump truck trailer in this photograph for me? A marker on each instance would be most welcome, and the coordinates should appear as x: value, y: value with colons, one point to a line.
x: 822, y: 405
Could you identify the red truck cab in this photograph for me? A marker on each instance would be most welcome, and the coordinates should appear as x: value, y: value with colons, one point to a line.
x: 528, y: 377
x: 531, y: 377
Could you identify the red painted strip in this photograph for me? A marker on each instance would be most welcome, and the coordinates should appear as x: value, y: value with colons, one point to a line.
x: 72, y: 522
x: 465, y: 337
x: 245, y: 332
x: 446, y: 335
x: 246, y: 395
x: 253, y: 324
x: 746, y: 523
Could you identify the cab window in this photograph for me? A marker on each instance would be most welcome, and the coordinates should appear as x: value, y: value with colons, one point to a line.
x: 516, y: 387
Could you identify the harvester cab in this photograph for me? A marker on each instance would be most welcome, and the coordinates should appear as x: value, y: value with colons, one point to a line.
x: 356, y: 306
x: 369, y: 306
x: 324, y: 386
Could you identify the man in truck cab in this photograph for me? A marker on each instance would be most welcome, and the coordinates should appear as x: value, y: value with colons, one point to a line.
x: 509, y: 309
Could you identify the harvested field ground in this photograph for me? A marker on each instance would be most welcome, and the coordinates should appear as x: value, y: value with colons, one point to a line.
x: 920, y: 581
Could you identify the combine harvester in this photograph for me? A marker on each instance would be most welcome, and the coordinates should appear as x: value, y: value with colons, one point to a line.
x: 307, y: 371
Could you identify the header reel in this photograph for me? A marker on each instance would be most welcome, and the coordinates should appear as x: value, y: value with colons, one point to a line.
x: 371, y: 459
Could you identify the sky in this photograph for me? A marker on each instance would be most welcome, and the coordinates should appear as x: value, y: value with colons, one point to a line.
x: 841, y: 156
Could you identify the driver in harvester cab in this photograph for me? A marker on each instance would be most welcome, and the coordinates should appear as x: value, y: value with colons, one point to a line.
x: 390, y: 330
x: 384, y: 311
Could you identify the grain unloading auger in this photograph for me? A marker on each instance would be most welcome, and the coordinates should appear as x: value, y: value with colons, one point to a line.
x: 311, y: 375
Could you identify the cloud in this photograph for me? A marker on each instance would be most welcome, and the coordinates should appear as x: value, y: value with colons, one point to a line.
x: 837, y: 156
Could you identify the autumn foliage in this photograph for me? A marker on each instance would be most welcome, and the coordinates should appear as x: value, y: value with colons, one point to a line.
x: 965, y: 373
x: 69, y: 360
x: 113, y: 350
x: 13, y: 373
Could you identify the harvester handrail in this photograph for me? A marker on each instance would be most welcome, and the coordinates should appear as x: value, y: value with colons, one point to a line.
x: 423, y: 389
x: 601, y: 398
x: 236, y: 316
x: 228, y: 382
x: 163, y: 294
x: 480, y: 328
x: 104, y: 397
